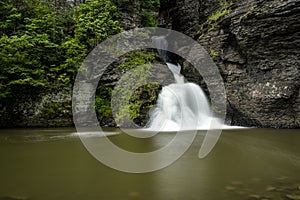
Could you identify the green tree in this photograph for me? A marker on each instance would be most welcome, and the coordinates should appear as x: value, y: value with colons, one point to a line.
x: 42, y: 44
x: 95, y: 21
x: 28, y: 49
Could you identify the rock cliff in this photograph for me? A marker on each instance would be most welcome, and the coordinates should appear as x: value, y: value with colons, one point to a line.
x: 256, y: 45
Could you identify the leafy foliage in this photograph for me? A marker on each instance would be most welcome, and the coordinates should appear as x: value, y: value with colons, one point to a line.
x: 148, y: 19
x: 43, y: 42
x: 124, y: 109
x: 213, y: 53
x: 136, y: 58
x: 42, y: 46
x: 103, y: 102
x: 128, y: 105
x: 95, y: 21
x: 149, y: 7
x: 150, y: 4
x: 140, y: 62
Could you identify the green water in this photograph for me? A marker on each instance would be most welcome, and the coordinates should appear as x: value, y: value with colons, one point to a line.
x: 53, y: 164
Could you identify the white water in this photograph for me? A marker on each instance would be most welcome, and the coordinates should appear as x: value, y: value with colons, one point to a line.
x: 181, y: 106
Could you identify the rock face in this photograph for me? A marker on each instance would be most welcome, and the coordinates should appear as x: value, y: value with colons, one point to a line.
x: 112, y: 78
x: 45, y: 110
x: 130, y: 13
x: 256, y: 46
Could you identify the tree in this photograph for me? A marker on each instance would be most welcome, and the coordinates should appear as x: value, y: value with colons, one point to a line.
x: 42, y: 44
x: 95, y: 21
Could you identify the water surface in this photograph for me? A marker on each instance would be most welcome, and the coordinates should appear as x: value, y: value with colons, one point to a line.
x: 51, y: 164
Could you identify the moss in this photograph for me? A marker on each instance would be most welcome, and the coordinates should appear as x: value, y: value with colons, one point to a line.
x: 250, y: 11
x: 213, y: 53
x: 136, y: 58
x: 213, y: 20
x: 125, y: 111
x: 141, y: 99
x: 218, y: 15
x: 102, y: 102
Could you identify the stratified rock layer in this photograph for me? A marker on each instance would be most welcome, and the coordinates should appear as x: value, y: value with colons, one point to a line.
x: 257, y: 48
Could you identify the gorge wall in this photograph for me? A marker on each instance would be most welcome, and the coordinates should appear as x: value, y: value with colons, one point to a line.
x: 254, y: 43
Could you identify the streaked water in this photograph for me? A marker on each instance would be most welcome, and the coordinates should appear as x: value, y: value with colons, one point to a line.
x: 51, y: 164
x: 181, y: 107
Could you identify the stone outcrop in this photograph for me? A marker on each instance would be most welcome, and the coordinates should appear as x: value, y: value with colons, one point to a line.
x: 53, y: 109
x: 130, y: 13
x: 257, y: 48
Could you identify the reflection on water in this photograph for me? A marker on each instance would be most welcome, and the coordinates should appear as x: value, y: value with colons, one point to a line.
x: 245, y: 164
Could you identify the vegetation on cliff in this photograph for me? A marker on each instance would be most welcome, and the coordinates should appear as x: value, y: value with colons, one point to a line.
x: 41, y: 47
x: 148, y: 17
x: 43, y: 43
x: 215, y: 18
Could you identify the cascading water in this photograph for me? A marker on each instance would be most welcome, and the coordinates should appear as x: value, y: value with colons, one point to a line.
x: 180, y: 106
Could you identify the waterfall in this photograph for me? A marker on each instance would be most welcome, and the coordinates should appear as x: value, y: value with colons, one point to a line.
x: 175, y: 69
x: 161, y: 43
x: 181, y: 105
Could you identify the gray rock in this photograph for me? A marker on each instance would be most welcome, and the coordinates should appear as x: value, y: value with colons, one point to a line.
x: 257, y: 50
x: 256, y: 47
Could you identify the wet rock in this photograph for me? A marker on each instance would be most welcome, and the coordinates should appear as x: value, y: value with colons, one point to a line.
x: 44, y: 110
x: 130, y: 13
x: 256, y: 47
